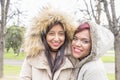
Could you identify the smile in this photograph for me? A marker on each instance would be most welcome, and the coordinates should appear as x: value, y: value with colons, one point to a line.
x: 56, y: 44
x: 77, y: 50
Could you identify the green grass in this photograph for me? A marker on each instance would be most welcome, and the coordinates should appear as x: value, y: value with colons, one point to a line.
x: 108, y: 59
x: 11, y: 70
x: 10, y: 55
x: 111, y: 76
x: 13, y: 56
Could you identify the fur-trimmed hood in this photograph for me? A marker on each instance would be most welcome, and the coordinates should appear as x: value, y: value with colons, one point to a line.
x: 33, y: 43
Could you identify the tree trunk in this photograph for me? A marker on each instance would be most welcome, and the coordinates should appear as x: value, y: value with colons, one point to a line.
x: 114, y: 27
x: 2, y: 37
x: 1, y: 53
x: 117, y: 58
x: 4, y: 12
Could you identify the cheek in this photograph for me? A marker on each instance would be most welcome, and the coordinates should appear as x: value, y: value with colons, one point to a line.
x: 48, y: 38
x: 62, y: 38
x: 73, y: 43
x: 88, y: 49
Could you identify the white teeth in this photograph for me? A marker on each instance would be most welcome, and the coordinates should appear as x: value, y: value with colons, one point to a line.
x: 77, y: 50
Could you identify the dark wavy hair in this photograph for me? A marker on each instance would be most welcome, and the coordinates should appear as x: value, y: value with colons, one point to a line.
x: 60, y: 53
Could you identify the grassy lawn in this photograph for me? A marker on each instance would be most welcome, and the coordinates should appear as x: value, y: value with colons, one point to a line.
x: 21, y: 56
x: 11, y: 55
x: 111, y: 76
x: 108, y: 59
x: 11, y: 70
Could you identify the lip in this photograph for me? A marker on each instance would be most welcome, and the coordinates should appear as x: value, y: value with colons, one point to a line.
x: 77, y: 50
x: 56, y: 44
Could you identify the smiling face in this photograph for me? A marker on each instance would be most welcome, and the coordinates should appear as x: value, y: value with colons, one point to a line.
x: 55, y: 37
x: 81, y: 44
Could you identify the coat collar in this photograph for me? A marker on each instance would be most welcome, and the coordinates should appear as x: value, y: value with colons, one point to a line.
x: 66, y: 65
x: 41, y: 62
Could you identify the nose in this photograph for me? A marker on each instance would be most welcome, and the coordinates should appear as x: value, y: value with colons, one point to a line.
x: 78, y: 43
x: 56, y: 37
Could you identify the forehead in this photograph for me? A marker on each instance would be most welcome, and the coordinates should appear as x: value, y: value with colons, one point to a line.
x: 83, y: 33
x: 57, y: 28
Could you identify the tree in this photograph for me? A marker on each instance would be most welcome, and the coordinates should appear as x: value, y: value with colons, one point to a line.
x: 4, y: 12
x: 16, y: 14
x: 93, y: 10
x: 95, y: 13
x: 115, y: 28
x: 14, y: 38
x: 5, y: 18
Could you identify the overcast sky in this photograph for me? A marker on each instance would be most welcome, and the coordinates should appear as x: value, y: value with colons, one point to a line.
x: 32, y: 7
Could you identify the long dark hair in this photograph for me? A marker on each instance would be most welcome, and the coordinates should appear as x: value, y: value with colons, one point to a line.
x: 60, y: 53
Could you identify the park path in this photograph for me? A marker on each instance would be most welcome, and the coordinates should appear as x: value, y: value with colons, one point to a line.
x: 110, y: 67
x: 13, y: 62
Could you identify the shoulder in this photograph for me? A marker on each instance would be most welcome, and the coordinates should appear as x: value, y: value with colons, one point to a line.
x: 37, y: 60
x: 96, y: 65
x: 93, y: 70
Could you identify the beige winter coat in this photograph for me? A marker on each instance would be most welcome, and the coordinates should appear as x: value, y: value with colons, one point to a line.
x: 37, y: 68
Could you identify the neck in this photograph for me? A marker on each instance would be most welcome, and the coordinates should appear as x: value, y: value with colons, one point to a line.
x: 53, y: 54
x: 54, y: 50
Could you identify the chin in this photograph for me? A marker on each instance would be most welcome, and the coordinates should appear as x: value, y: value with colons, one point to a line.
x: 76, y: 56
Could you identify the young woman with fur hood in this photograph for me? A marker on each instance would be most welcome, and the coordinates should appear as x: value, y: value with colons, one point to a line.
x: 90, y: 42
x: 47, y: 47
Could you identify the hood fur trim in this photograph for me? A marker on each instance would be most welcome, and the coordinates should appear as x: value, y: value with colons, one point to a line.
x: 33, y: 43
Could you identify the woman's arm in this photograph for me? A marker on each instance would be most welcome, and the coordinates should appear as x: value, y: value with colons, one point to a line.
x: 26, y: 71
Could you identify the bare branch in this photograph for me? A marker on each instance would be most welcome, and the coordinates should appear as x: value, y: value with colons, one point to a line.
x: 3, y: 15
x: 87, y: 9
x: 93, y: 10
x: 6, y: 9
x: 115, y: 23
x: 107, y: 13
x: 98, y: 11
x: 113, y: 12
x: 118, y: 19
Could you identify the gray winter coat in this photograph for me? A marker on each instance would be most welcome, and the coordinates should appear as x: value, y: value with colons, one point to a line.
x: 91, y: 67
